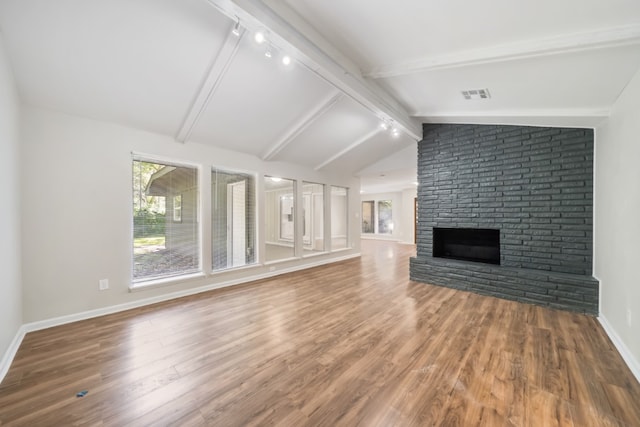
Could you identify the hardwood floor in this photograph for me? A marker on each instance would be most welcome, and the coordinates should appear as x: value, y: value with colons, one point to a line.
x: 353, y: 343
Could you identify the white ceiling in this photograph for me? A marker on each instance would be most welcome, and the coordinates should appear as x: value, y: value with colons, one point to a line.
x: 396, y: 172
x: 378, y: 34
x: 174, y: 67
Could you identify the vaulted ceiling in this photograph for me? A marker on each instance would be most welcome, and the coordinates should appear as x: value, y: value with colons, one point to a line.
x: 177, y: 68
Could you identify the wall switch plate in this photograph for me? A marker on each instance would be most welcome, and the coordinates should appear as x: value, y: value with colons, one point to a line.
x: 104, y: 284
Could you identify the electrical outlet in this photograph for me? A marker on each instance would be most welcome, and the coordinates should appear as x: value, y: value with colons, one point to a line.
x: 629, y: 317
x: 104, y: 284
x: 272, y: 269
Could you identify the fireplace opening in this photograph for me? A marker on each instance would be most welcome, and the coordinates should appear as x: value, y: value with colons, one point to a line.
x: 467, y: 244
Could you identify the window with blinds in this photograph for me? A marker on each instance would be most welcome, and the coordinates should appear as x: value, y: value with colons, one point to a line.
x: 385, y: 217
x: 312, y: 217
x: 233, y: 219
x: 339, y: 218
x: 368, y: 216
x: 165, y: 220
x: 280, y: 218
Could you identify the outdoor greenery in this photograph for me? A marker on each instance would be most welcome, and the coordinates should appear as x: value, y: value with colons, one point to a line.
x: 148, y: 211
x: 146, y: 223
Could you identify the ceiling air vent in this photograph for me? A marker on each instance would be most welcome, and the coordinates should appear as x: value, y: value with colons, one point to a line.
x: 476, y: 94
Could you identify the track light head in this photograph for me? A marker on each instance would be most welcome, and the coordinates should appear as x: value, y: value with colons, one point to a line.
x: 236, y: 28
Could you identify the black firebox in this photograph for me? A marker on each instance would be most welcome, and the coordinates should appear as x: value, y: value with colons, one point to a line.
x: 467, y: 244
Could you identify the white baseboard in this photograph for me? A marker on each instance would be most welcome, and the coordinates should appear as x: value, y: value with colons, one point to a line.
x: 626, y: 354
x: 8, y: 356
x: 378, y: 237
x: 281, y: 244
x: 89, y: 314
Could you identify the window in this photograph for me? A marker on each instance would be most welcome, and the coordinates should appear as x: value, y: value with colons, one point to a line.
x: 368, y: 216
x: 280, y: 218
x: 165, y: 220
x: 313, y: 217
x: 339, y: 218
x: 385, y: 223
x: 233, y: 219
x: 177, y: 208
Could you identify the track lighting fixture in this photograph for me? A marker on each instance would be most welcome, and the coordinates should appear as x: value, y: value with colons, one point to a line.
x: 389, y: 124
x: 261, y: 37
x: 236, y: 28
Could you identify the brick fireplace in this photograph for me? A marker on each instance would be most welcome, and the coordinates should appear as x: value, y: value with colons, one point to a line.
x: 531, y: 190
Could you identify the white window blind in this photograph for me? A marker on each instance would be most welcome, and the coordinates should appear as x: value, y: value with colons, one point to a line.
x: 313, y: 217
x: 385, y: 217
x: 280, y: 218
x: 368, y: 216
x: 165, y: 220
x: 233, y: 219
x: 339, y: 218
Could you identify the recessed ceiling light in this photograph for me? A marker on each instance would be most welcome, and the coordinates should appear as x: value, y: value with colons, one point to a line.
x: 395, y: 132
x: 275, y: 179
x: 286, y: 60
x: 268, y: 53
x: 259, y: 37
x: 384, y: 125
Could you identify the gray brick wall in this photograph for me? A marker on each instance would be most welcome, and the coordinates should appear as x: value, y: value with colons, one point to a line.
x: 534, y: 184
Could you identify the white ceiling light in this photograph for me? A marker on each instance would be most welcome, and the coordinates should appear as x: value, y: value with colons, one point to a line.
x: 259, y: 37
x: 384, y: 125
x: 395, y: 132
x: 268, y: 53
x: 275, y: 179
x: 286, y: 60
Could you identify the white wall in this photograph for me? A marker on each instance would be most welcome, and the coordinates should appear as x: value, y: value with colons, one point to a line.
x: 76, y: 210
x: 10, y: 286
x: 402, y: 214
x: 408, y: 215
x: 617, y: 221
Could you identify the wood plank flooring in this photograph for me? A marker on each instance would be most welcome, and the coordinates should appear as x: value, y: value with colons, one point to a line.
x: 353, y: 343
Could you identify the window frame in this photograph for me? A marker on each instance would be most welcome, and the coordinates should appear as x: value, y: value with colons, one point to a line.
x: 142, y: 283
x: 346, y: 218
x: 310, y: 197
x: 256, y: 222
